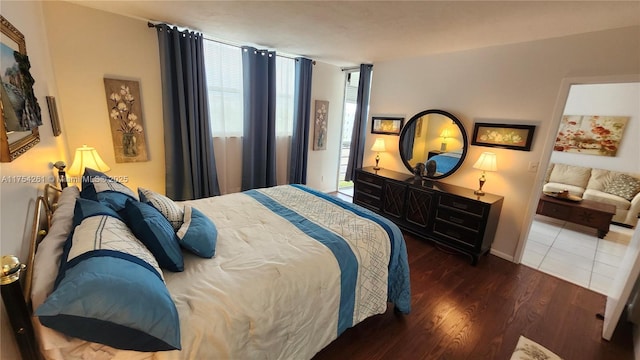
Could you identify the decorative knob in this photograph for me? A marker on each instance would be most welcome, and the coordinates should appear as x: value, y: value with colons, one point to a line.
x: 11, y: 268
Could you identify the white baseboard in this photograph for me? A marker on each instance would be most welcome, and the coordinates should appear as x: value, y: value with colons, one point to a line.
x: 501, y: 255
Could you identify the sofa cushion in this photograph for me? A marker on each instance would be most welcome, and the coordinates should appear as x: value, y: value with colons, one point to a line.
x: 570, y: 175
x: 556, y: 187
x: 600, y: 178
x: 606, y: 198
x: 624, y: 186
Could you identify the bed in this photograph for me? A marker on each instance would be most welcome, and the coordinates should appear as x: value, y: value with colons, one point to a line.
x: 291, y: 269
x: 446, y: 161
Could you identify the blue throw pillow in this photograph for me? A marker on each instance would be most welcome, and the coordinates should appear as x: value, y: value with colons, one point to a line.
x: 155, y: 231
x: 198, y: 233
x: 172, y: 211
x: 110, y: 289
x: 97, y: 186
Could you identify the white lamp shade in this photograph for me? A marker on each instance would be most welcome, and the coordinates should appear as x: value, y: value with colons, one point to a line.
x: 378, y: 145
x: 445, y: 133
x: 87, y: 157
x: 486, y: 162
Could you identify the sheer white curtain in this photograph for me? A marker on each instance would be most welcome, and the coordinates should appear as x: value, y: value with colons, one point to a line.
x: 224, y: 82
x: 285, y: 76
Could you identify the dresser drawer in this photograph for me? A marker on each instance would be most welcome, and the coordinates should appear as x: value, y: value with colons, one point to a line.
x: 367, y: 178
x: 459, y: 218
x: 460, y: 235
x: 368, y: 189
x: 557, y: 211
x: 472, y: 207
x: 367, y: 201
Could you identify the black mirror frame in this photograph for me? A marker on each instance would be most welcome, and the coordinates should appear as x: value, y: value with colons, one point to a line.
x: 455, y: 120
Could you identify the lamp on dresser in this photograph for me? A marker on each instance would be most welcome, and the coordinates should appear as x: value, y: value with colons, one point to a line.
x: 486, y: 162
x: 378, y: 146
x: 444, y: 135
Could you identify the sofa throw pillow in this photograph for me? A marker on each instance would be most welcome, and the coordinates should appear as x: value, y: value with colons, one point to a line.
x: 167, y: 207
x: 110, y: 289
x: 198, y: 233
x: 624, y: 186
x: 97, y: 186
x: 155, y: 232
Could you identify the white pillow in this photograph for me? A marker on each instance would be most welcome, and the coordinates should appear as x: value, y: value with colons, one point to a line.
x: 47, y: 259
x: 167, y: 207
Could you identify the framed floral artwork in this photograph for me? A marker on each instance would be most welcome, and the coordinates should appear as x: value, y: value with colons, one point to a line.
x: 125, y: 118
x: 387, y: 125
x: 506, y: 136
x: 590, y: 134
x: 320, y: 125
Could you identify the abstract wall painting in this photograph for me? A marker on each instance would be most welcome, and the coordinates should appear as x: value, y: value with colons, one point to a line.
x: 590, y: 134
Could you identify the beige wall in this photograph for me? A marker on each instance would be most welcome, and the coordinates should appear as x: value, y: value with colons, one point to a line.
x: 328, y: 84
x: 515, y: 83
x: 88, y: 45
x: 18, y: 199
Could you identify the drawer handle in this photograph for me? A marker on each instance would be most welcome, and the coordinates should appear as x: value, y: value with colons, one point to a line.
x: 456, y: 220
x: 460, y: 205
x: 453, y: 234
x: 368, y: 191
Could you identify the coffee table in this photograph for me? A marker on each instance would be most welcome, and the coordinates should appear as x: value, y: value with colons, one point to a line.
x: 589, y: 213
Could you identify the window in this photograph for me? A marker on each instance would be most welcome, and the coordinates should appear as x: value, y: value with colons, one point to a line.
x: 224, y: 82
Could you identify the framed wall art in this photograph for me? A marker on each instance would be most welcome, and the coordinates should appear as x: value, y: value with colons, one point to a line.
x: 590, y: 134
x: 506, y: 136
x: 320, y: 121
x: 125, y: 118
x: 53, y: 114
x: 386, y: 125
x: 19, y: 105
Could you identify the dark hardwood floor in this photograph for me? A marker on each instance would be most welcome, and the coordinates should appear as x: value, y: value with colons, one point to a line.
x: 464, y: 312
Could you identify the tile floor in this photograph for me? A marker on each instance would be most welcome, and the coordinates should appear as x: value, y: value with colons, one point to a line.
x: 574, y: 253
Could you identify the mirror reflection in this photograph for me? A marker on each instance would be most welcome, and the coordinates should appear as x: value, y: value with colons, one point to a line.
x: 433, y: 141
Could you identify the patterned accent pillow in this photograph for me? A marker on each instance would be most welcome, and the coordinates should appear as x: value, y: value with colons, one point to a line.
x: 167, y: 207
x: 97, y: 186
x: 110, y: 289
x: 624, y: 186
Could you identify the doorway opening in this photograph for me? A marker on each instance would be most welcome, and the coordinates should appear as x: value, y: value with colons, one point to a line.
x: 352, y: 78
x: 570, y: 251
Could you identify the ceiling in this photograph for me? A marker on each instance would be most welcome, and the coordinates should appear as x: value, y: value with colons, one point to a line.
x: 347, y: 33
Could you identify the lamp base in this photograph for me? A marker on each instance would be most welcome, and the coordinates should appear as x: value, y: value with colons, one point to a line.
x: 376, y: 168
x: 478, y: 192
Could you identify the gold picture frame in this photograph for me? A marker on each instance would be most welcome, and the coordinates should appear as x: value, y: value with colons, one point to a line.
x: 16, y: 137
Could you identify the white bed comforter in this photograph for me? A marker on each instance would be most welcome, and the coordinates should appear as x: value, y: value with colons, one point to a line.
x: 272, y: 291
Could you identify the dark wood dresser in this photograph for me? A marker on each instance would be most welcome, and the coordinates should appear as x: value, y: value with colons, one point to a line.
x: 448, y: 214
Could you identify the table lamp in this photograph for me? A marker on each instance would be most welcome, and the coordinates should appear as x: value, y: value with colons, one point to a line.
x: 87, y: 157
x: 444, y: 135
x: 378, y: 146
x: 486, y: 162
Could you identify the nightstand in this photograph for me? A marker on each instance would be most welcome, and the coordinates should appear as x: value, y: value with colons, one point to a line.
x: 433, y: 153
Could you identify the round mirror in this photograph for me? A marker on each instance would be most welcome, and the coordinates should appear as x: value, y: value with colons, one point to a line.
x: 435, y: 139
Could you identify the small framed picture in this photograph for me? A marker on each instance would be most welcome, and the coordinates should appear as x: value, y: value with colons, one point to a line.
x: 506, y: 136
x: 53, y: 114
x: 386, y: 125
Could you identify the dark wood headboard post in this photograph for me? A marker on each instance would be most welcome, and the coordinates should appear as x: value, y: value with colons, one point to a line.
x: 14, y: 302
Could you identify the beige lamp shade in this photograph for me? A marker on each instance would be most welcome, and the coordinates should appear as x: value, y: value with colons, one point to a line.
x: 378, y: 145
x: 87, y: 157
x: 445, y: 133
x: 486, y: 162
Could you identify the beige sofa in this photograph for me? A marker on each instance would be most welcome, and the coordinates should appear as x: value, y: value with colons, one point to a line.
x: 611, y: 187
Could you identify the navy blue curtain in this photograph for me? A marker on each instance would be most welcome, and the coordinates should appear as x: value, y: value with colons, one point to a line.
x: 408, y: 139
x: 301, y: 114
x: 359, y: 134
x: 190, y: 165
x: 259, y: 137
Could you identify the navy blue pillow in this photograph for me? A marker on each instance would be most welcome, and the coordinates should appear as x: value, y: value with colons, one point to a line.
x: 110, y: 290
x: 155, y: 231
x: 97, y: 186
x: 198, y: 233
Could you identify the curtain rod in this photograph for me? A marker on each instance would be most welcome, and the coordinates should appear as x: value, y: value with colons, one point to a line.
x: 350, y: 68
x: 152, y: 25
